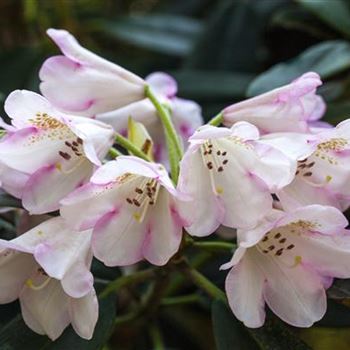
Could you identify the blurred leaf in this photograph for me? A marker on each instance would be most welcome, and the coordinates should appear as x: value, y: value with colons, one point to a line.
x: 167, y: 34
x: 321, y: 338
x: 335, y: 13
x: 275, y: 335
x: 104, y: 326
x: 231, y: 37
x: 17, y: 335
x: 212, y: 85
x: 337, y: 315
x: 327, y: 59
x: 6, y: 200
x: 228, y: 331
x: 340, y: 288
x: 337, y: 112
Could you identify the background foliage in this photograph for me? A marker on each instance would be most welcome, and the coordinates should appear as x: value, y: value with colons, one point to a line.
x: 220, y: 52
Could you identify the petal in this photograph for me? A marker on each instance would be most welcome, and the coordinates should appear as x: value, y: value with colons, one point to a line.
x: 15, y: 269
x: 141, y: 111
x: 118, y: 238
x: 205, y: 207
x: 12, y: 181
x: 244, y: 288
x: 162, y: 84
x: 78, y: 281
x: 245, y: 196
x: 161, y: 244
x: 29, y: 149
x: 23, y: 105
x: 300, y: 193
x: 48, y: 306
x: 84, y: 314
x: 46, y: 187
x: 296, y: 295
x: 326, y: 219
x: 94, y: 200
x: 329, y: 255
x: 245, y: 131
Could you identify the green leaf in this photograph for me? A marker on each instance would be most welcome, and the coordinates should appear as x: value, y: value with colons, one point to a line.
x: 327, y: 58
x: 339, y: 290
x: 167, y: 34
x: 228, y: 331
x: 336, y: 13
x: 227, y: 43
x: 104, y: 327
x: 198, y: 84
x: 6, y: 200
x: 275, y: 335
x: 16, y: 335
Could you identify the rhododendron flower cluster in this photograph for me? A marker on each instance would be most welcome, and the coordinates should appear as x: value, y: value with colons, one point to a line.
x: 274, y: 172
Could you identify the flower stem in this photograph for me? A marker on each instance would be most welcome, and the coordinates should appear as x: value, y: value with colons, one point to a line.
x: 217, y: 120
x: 125, y: 143
x: 202, y: 282
x: 156, y: 337
x: 172, y: 138
x: 114, y: 153
x: 137, y: 277
x: 180, y: 300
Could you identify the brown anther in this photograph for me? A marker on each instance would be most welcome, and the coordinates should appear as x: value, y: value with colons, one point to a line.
x: 75, y: 149
x: 68, y: 144
x: 265, y: 251
x: 309, y: 173
x: 303, y: 161
x: 129, y: 200
x: 279, y: 252
x: 136, y: 202
x: 79, y: 140
x: 225, y: 161
x: 265, y: 239
x: 218, y: 153
x: 291, y: 246
x: 64, y: 155
x: 277, y: 235
x: 151, y: 202
x: 210, y: 165
x: 282, y: 240
x: 310, y: 165
x: 220, y: 168
x: 138, y: 190
x: 271, y: 247
x: 75, y: 143
x: 210, y: 146
x: 224, y: 153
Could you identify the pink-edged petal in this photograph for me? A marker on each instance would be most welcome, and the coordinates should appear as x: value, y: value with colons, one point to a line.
x: 328, y: 255
x: 245, y: 131
x: 300, y: 193
x: 15, y: 269
x: 236, y: 258
x: 187, y: 117
x: 48, y: 306
x: 274, y: 168
x: 206, y: 132
x: 141, y: 111
x: 29, y: 149
x: 296, y: 295
x: 23, y: 105
x: 84, y: 314
x: 95, y: 200
x: 162, y: 83
x: 97, y: 137
x: 161, y: 244
x: 118, y: 238
x: 12, y: 181
x: 244, y: 288
x: 240, y: 190
x: 46, y: 187
x: 250, y: 237
x: 205, y: 208
x: 78, y: 281
x: 323, y: 219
